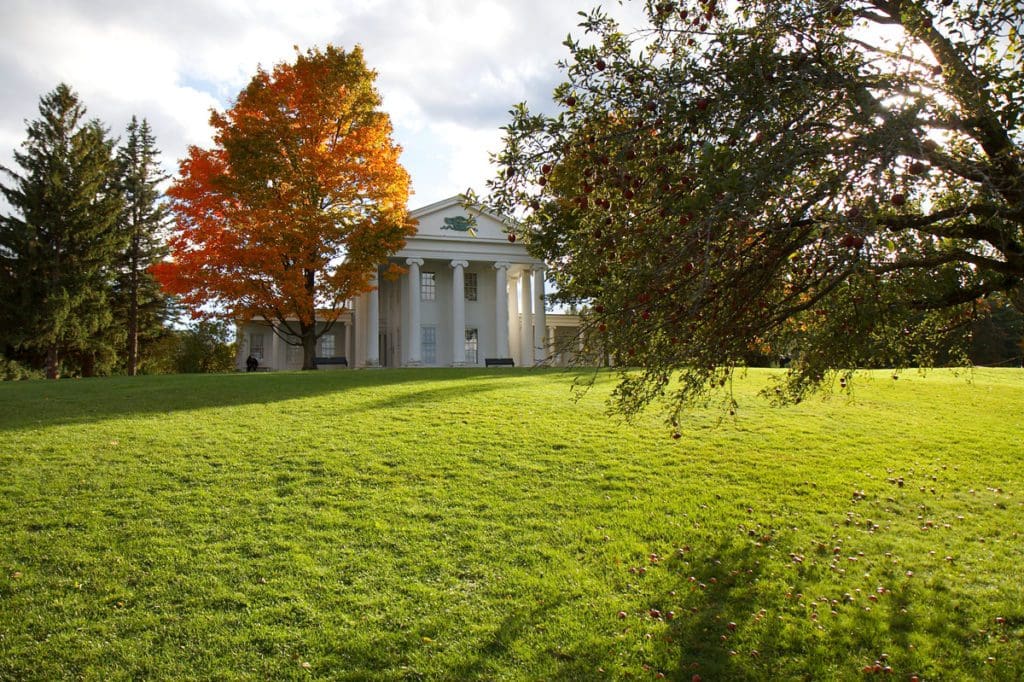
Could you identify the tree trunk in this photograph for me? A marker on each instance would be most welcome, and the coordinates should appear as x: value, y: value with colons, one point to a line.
x: 308, y: 331
x: 52, y: 363
x: 133, y: 318
x: 133, y: 340
x: 52, y: 353
x: 308, y: 345
x: 88, y: 364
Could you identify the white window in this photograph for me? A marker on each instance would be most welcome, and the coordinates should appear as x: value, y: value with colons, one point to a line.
x: 470, y: 286
x: 327, y: 346
x: 428, y: 286
x: 293, y: 355
x: 472, y: 346
x: 428, y: 345
x: 256, y: 345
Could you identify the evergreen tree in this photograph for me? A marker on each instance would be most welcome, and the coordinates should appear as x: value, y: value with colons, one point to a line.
x: 140, y: 305
x: 58, y: 245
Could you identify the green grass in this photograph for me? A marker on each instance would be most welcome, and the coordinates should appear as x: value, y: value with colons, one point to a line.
x: 482, y: 525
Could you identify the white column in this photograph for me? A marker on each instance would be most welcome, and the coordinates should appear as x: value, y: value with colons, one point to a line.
x: 540, y: 320
x: 372, y: 330
x: 501, y: 310
x: 413, y: 333
x: 350, y: 341
x: 551, y: 349
x: 513, y: 316
x: 458, y: 312
x: 526, y: 320
x: 343, y: 346
x: 274, y: 349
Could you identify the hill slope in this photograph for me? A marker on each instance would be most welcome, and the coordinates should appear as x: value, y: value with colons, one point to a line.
x: 482, y: 524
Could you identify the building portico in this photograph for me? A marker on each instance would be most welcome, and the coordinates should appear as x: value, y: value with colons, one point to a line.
x: 451, y: 305
x: 465, y: 294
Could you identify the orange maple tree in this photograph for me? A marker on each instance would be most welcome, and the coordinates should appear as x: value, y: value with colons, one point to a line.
x: 299, y: 200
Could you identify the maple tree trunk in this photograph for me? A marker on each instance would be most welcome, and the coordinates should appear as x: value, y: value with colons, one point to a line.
x: 308, y: 345
x: 308, y: 331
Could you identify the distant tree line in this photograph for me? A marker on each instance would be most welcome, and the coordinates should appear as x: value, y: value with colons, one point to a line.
x: 86, y: 222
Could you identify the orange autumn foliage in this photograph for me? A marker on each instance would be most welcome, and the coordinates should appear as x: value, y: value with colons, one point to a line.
x: 298, y: 201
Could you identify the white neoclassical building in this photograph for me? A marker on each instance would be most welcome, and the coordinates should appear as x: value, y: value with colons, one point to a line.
x: 468, y: 298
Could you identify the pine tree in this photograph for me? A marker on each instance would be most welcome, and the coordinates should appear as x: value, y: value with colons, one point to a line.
x: 140, y: 305
x: 61, y: 240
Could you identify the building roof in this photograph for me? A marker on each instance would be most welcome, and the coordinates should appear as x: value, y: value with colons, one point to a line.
x: 461, y: 201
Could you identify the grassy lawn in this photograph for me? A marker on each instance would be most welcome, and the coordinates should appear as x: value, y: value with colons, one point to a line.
x: 480, y: 525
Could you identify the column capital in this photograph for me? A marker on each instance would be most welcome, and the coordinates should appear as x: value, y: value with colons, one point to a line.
x: 414, y: 261
x: 502, y: 265
x: 459, y: 263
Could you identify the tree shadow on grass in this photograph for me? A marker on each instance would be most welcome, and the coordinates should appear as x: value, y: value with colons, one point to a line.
x: 494, y: 653
x: 725, y: 613
x: 714, y: 595
x: 31, y: 405
x: 752, y: 609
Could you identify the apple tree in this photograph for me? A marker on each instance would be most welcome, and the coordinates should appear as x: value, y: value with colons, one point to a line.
x: 836, y: 181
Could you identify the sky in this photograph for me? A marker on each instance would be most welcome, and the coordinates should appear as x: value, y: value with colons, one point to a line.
x: 448, y: 70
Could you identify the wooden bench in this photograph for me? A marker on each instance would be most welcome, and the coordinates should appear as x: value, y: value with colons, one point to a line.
x: 499, y: 362
x: 337, y: 360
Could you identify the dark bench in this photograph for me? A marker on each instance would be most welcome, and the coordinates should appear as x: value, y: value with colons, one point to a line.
x: 337, y: 360
x: 499, y: 362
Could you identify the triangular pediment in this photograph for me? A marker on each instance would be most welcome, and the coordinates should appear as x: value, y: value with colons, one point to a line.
x: 453, y: 219
x: 453, y: 229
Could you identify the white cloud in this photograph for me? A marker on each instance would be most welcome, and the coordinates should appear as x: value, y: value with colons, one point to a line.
x: 448, y: 69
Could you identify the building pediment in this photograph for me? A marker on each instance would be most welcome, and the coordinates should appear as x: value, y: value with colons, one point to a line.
x: 451, y: 229
x: 452, y: 219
